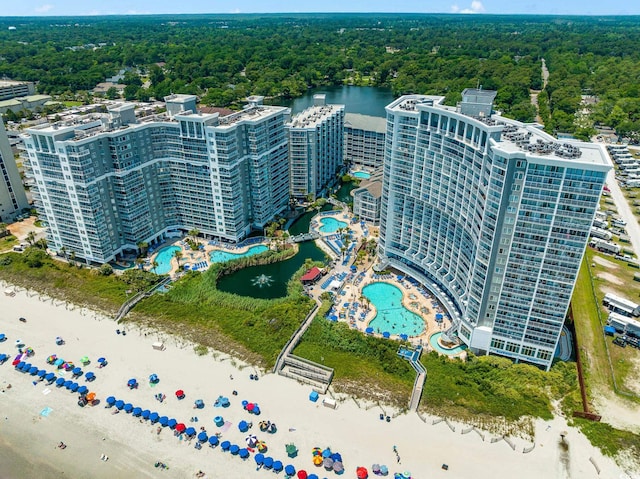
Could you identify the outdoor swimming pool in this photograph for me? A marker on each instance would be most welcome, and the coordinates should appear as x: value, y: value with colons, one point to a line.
x: 331, y: 225
x: 164, y: 258
x: 392, y: 316
x: 221, y: 256
x: 363, y: 175
x: 433, y: 341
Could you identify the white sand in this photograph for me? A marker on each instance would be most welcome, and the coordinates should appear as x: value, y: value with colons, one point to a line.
x: 134, y: 447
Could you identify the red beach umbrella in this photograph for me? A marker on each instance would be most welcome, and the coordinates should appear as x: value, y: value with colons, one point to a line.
x: 302, y: 474
x: 179, y: 393
x: 362, y: 473
x: 251, y: 407
x: 180, y: 427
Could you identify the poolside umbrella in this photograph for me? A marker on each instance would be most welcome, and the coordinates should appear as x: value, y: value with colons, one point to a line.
x: 137, y: 411
x: 145, y: 414
x: 268, y: 462
x: 289, y: 470
x: 362, y: 473
x: 111, y: 400
x: 164, y: 421
x: 369, y: 330
x: 89, y: 376
x: 338, y: 468
x: 259, y: 458
x: 172, y: 423
x: 234, y: 449
x: 154, y: 416
x: 74, y: 387
x: 243, y: 426
x: 225, y: 445
x: 202, y: 436
x: 213, y: 441
x: 41, y: 373
x: 82, y: 390
x: 327, y: 463
x: 50, y: 377
x: 277, y: 466
x: 302, y: 474
x: 180, y: 427
x: 51, y: 359
x: 326, y: 453
x: 190, y: 431
x: 180, y: 394
x: 33, y: 370
x: 128, y: 407
x: 120, y: 404
x: 243, y: 453
x: 404, y: 337
x: 60, y: 382
x: 386, y: 335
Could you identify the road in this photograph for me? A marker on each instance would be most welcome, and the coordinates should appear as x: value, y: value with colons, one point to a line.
x: 624, y: 211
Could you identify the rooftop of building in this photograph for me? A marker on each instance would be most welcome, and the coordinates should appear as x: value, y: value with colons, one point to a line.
x: 478, y: 95
x: 6, y: 83
x: 365, y: 122
x: 373, y: 185
x: 314, y: 115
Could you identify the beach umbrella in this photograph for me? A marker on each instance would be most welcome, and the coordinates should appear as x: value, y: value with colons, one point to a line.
x: 327, y: 463
x: 234, y: 449
x: 180, y: 427
x: 292, y: 450
x: 68, y: 365
x: 213, y: 441
x: 33, y: 370
x: 154, y: 416
x: 120, y: 404
x: 3, y: 357
x: 27, y: 367
x: 251, y: 440
x: 19, y: 365
x: 268, y: 462
x: 302, y: 474
x: 68, y: 383
x: 199, y: 403
x: 76, y: 372
x: 336, y: 457
x: 51, y: 359
x: 375, y: 468
x: 85, y: 360
x: 262, y: 446
x: 137, y: 411
x: 74, y: 387
x: 202, y: 437
x: 277, y: 466
x: 58, y: 363
x: 102, y: 362
x: 316, y: 451
x: 172, y: 423
x: 82, y: 390
x: 225, y: 445
x: 362, y: 473
x: 224, y: 402
x: 164, y: 421
x: 60, y: 382
x: 89, y: 376
x: 180, y: 394
x: 384, y: 470
x: 2, y: 337
x: 326, y: 453
x: 338, y: 468
x: 110, y: 400
x: 244, y: 404
x: 145, y: 414
x: 218, y: 420
x: 289, y: 470
x: 91, y: 396
x: 317, y: 460
x: 128, y: 407
x: 190, y: 431
x: 243, y: 426
x: 243, y: 453
x: 132, y: 383
x: 154, y: 379
x: 312, y: 476
x: 50, y: 377
x: 259, y: 458
x: 41, y: 373
x: 256, y: 410
x: 251, y: 407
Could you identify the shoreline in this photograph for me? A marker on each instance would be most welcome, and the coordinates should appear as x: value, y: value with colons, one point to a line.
x: 353, y: 428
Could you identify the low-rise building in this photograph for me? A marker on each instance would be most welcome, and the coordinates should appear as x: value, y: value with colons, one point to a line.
x: 367, y: 199
x: 13, y: 89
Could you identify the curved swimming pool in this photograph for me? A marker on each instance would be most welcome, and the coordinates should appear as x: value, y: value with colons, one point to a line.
x: 164, y: 258
x: 433, y: 341
x: 331, y: 225
x: 391, y: 315
x: 363, y: 175
x: 218, y: 256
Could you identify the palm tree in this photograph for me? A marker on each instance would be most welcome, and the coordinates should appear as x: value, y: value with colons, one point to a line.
x: 31, y: 238
x: 154, y: 265
x: 193, y: 233
x: 178, y: 256
x: 143, y: 246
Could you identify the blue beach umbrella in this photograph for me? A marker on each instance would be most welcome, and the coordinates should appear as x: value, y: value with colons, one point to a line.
x: 42, y: 373
x: 268, y: 462
x: 313, y: 476
x: 145, y: 414
x: 289, y: 470
x: 190, y: 431
x: 202, y: 437
x: 76, y: 371
x: 163, y: 421
x: 137, y: 411
x: 213, y: 441
x: 326, y: 453
x: 277, y: 466
x: 89, y: 376
x: 243, y: 426
x: 19, y: 365
x: 172, y: 423
x: 243, y: 453
x: 74, y: 387
x: 82, y: 390
x: 2, y: 337
x: 50, y: 377
x: 120, y: 404
x: 33, y: 370
x: 60, y: 382
x: 111, y: 400
x: 68, y: 383
x: 225, y: 445
x: 154, y: 416
x: 234, y: 449
x: 128, y: 407
x: 259, y: 458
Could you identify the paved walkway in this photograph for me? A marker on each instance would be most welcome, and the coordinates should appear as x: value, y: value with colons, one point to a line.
x: 624, y: 211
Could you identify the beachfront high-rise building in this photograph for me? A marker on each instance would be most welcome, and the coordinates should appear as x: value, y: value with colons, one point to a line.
x: 364, y: 141
x: 315, y: 148
x: 12, y: 196
x: 493, y: 216
x: 105, y: 183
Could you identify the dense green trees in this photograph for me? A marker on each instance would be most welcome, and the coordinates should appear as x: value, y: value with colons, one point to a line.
x: 223, y: 58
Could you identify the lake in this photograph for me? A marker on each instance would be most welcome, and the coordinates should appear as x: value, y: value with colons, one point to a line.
x: 357, y: 99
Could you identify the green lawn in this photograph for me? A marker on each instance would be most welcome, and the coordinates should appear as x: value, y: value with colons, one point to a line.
x: 71, y: 103
x: 7, y: 242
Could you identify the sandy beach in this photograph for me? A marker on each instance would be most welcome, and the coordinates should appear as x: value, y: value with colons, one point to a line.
x: 28, y: 439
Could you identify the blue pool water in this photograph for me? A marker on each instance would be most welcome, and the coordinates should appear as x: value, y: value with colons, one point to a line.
x: 221, y: 256
x: 164, y: 259
x: 433, y: 341
x: 361, y: 174
x: 331, y: 225
x: 391, y: 315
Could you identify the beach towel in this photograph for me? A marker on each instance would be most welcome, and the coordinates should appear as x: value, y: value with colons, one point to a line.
x: 226, y: 426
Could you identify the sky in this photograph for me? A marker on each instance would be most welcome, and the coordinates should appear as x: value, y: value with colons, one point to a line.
x: 131, y: 7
